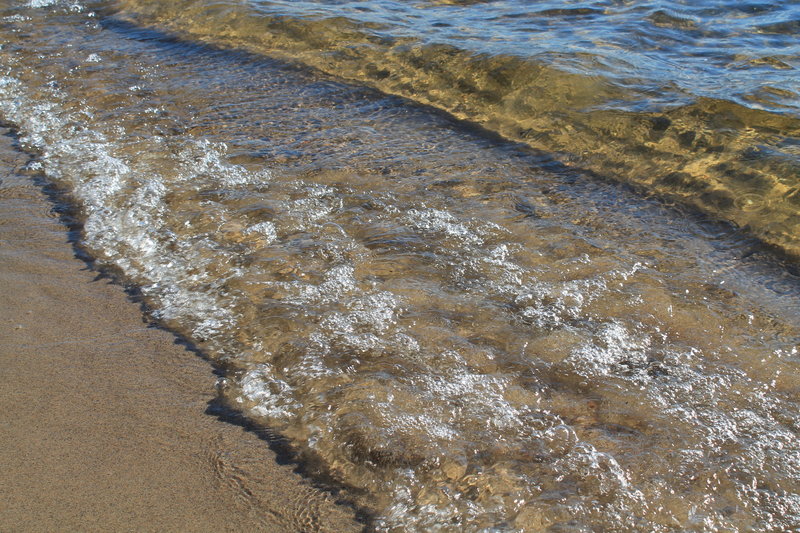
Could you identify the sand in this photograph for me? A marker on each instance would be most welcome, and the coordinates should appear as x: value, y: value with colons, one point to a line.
x: 108, y: 423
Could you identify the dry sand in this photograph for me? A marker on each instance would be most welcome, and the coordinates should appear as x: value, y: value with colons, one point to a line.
x: 105, y: 423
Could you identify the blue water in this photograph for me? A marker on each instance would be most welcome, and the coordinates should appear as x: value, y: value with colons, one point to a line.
x: 665, y: 52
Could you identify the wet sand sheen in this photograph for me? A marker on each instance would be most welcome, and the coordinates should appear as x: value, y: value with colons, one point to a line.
x: 104, y: 419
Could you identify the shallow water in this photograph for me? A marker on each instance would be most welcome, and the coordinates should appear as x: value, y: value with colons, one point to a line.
x: 466, y: 334
x: 693, y: 101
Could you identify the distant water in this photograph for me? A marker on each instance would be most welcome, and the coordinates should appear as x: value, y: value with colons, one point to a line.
x: 400, y: 228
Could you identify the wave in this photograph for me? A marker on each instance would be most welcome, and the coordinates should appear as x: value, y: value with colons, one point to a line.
x: 734, y: 162
x: 463, y: 337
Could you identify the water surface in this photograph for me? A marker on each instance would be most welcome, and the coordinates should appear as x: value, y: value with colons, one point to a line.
x: 464, y: 333
x: 694, y: 102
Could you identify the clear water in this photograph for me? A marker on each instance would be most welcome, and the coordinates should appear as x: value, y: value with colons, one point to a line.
x: 464, y: 333
x: 663, y: 52
x: 694, y: 102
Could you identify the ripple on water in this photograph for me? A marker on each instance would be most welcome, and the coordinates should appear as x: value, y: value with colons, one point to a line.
x: 465, y: 338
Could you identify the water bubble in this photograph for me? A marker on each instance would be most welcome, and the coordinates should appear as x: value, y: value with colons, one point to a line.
x: 751, y: 202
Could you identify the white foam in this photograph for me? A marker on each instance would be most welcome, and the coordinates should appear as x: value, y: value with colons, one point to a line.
x: 266, y: 229
x: 71, y: 5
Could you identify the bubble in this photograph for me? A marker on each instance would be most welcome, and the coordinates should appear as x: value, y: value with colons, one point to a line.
x: 750, y: 202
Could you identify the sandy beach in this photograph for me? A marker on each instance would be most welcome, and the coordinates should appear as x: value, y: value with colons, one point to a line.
x: 109, y: 424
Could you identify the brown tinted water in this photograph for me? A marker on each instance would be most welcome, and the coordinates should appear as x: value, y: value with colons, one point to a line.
x: 697, y: 102
x: 465, y: 333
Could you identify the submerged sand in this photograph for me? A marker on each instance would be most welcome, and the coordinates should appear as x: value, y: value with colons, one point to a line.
x: 108, y: 424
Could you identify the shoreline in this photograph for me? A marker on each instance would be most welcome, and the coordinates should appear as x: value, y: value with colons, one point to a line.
x: 109, y: 423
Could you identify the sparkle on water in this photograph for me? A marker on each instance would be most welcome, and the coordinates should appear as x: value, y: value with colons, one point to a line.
x: 466, y: 334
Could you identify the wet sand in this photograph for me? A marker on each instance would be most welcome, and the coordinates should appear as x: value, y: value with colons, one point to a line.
x: 108, y: 424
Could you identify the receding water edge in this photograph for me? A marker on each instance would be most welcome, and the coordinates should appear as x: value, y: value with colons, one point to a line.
x: 465, y: 334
